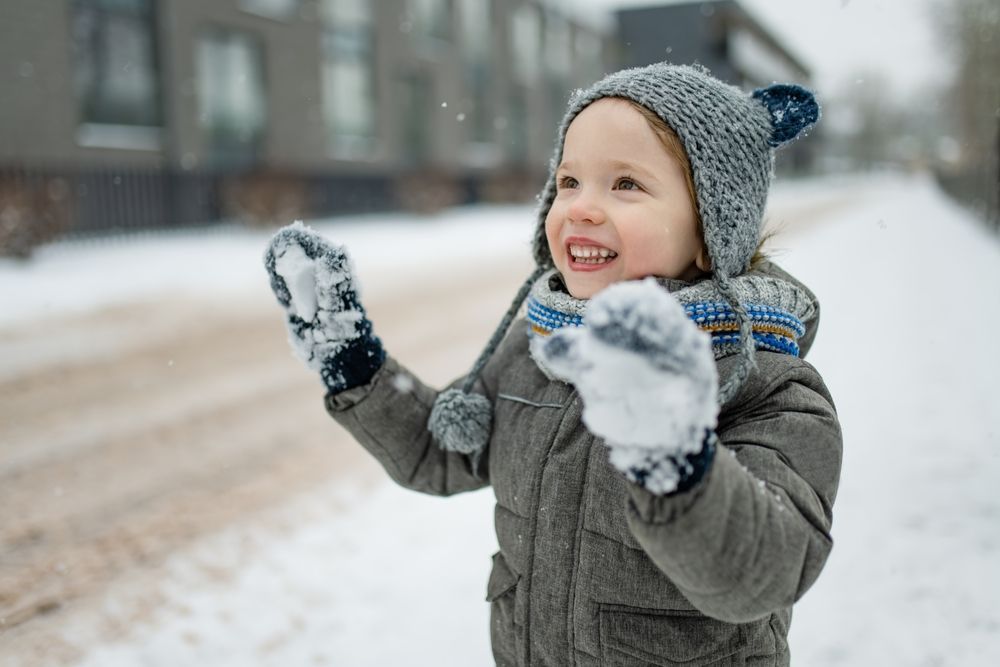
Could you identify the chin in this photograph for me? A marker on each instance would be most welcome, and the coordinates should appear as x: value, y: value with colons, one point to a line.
x: 585, y: 290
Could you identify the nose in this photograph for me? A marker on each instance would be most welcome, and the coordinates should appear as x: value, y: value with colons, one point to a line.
x: 586, y: 207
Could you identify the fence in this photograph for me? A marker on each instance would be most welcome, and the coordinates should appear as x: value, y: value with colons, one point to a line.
x: 40, y: 204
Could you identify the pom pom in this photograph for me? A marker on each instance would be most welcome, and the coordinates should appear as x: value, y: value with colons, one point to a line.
x: 792, y: 109
x: 461, y: 422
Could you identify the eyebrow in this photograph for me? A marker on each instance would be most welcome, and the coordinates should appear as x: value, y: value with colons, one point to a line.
x: 614, y: 164
x: 628, y: 166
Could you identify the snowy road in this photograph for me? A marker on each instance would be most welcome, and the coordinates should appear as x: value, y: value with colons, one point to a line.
x: 171, y: 492
x: 135, y: 429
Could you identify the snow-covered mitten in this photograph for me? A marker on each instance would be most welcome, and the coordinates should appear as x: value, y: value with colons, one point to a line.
x: 327, y: 325
x: 648, y: 381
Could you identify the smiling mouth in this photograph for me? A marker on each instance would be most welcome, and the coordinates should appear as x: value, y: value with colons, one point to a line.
x: 589, y: 255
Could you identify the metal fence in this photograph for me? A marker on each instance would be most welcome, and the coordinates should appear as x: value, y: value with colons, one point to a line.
x: 40, y: 204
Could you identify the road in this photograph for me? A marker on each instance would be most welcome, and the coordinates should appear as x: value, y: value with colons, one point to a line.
x: 132, y: 431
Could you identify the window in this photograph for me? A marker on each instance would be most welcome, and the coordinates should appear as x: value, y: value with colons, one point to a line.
x: 525, y: 43
x: 558, y: 66
x: 557, y: 45
x: 476, y: 39
x: 348, y: 76
x: 431, y: 18
x: 415, y: 128
x: 518, y: 128
x: 755, y: 59
x: 116, y: 75
x: 588, y: 48
x: 280, y: 10
x: 232, y: 108
x: 476, y: 36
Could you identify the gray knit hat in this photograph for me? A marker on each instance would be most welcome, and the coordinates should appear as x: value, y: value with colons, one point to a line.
x: 729, y: 137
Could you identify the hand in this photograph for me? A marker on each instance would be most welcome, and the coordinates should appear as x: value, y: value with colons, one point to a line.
x: 328, y: 328
x: 647, y: 378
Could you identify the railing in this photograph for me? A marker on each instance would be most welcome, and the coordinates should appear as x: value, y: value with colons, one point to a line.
x: 41, y: 204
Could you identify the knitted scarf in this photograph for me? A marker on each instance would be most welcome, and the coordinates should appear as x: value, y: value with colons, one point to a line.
x: 777, y: 310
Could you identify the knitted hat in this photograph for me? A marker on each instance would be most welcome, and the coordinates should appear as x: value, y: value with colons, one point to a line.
x: 729, y: 138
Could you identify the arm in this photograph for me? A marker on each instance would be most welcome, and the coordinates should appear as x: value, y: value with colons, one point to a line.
x: 743, y: 532
x: 753, y: 535
x: 383, y: 406
x: 389, y: 416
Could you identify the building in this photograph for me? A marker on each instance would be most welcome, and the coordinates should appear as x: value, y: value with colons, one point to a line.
x: 720, y: 34
x: 156, y: 113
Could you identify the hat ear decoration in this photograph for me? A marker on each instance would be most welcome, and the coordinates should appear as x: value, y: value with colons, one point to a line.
x: 792, y: 109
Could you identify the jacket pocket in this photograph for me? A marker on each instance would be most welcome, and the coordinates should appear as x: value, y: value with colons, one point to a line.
x: 632, y: 637
x: 501, y: 593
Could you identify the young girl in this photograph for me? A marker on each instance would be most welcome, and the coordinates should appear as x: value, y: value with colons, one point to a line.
x: 664, y: 462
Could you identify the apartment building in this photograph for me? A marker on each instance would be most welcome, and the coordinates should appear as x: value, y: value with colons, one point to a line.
x: 125, y: 113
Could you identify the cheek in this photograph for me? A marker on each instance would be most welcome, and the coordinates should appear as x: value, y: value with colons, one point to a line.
x: 643, y: 243
x: 552, y: 229
x: 649, y: 250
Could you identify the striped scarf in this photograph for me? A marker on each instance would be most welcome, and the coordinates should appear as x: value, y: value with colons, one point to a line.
x: 776, y: 308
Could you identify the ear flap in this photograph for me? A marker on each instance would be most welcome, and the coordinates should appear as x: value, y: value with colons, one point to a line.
x: 792, y: 109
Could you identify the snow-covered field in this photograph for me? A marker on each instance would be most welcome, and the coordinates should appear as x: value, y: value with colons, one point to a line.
x: 356, y: 577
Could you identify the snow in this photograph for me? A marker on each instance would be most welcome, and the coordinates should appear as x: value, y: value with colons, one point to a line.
x: 334, y: 591
x: 907, y: 281
x: 298, y: 272
x: 646, y: 374
x: 403, y: 383
x: 72, y: 277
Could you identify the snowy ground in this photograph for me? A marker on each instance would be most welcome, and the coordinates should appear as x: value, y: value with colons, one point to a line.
x: 348, y: 576
x: 66, y: 278
x: 910, y: 313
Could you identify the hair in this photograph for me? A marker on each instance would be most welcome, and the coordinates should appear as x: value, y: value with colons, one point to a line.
x: 672, y: 144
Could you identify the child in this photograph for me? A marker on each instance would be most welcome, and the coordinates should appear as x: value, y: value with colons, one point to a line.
x: 663, y: 461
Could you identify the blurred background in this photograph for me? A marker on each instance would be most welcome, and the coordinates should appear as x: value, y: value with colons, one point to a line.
x: 128, y: 115
x: 171, y: 491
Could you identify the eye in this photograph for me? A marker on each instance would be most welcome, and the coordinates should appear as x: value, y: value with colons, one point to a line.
x: 626, y: 183
x: 567, y: 183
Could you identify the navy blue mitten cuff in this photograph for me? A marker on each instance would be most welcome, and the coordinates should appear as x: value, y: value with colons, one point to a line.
x: 690, y: 468
x: 354, y: 365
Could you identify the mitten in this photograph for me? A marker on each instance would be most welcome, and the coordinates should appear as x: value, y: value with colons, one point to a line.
x: 647, y: 378
x: 327, y: 326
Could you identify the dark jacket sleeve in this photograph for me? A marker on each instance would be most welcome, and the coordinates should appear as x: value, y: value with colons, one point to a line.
x: 753, y: 535
x: 388, y: 417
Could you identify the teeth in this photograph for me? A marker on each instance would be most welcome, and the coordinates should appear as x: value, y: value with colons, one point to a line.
x: 591, y: 254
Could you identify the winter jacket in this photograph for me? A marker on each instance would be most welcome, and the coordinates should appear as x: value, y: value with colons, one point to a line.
x: 594, y: 570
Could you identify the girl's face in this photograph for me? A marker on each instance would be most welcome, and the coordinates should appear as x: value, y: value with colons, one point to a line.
x: 622, y: 209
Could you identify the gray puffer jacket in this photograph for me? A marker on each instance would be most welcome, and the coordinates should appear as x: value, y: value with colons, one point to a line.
x: 594, y: 570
